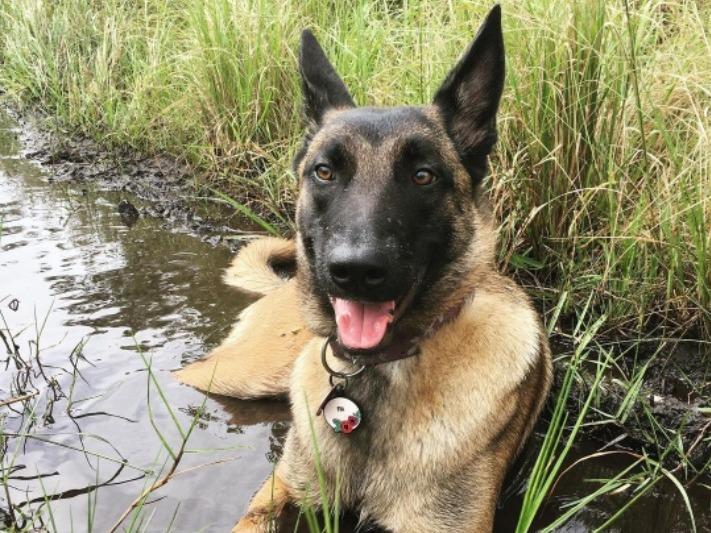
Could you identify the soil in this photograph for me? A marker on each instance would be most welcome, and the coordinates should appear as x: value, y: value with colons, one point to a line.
x: 168, y: 188
x: 674, y: 397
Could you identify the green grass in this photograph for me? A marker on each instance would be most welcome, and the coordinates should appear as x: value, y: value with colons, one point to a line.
x: 584, y: 367
x: 556, y: 444
x: 601, y: 179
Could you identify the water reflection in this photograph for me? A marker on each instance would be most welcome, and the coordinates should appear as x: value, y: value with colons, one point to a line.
x: 82, y: 276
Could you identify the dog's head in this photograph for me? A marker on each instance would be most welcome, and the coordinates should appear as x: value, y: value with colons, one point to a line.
x: 389, y: 217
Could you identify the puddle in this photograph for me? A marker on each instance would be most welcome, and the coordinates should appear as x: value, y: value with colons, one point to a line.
x: 660, y: 510
x: 72, y: 264
x: 84, y: 278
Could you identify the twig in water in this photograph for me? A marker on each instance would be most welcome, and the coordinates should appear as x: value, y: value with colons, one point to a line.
x: 176, y: 456
x: 156, y: 485
x: 16, y: 399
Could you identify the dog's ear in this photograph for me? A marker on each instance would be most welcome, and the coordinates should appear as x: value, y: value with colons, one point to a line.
x: 322, y: 87
x: 469, y: 96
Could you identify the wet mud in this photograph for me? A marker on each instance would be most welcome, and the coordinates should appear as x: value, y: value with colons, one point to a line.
x: 672, y: 402
x: 160, y: 186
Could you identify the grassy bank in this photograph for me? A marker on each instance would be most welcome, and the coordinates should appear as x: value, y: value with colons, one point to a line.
x: 601, y: 179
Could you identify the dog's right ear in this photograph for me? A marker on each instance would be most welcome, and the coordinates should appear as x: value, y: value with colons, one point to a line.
x: 322, y: 87
x: 469, y: 97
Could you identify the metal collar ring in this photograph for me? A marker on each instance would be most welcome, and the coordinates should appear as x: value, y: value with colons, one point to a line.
x: 336, y: 373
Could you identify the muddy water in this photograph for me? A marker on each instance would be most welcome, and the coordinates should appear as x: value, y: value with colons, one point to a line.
x: 74, y: 274
x: 660, y: 509
x: 79, y: 274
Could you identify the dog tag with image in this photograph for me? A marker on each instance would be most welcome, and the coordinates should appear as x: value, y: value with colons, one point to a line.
x: 342, y: 414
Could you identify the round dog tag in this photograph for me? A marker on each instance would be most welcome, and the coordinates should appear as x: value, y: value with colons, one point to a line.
x: 342, y: 414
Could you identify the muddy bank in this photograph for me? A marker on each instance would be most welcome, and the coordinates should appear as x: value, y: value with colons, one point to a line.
x: 651, y: 400
x: 167, y: 189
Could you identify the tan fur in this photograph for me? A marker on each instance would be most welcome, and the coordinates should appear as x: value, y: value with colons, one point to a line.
x: 268, y: 503
x: 256, y: 358
x: 434, y: 448
x: 250, y: 269
x: 437, y: 422
x: 470, y: 400
x: 441, y: 429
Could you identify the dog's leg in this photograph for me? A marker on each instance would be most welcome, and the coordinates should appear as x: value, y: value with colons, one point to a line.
x: 256, y: 359
x: 289, y: 483
x: 266, y: 506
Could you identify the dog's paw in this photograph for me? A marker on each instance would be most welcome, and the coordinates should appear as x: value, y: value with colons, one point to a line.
x: 252, y: 523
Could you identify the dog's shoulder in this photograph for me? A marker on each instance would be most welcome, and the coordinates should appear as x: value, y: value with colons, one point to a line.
x: 496, y: 342
x: 499, y: 318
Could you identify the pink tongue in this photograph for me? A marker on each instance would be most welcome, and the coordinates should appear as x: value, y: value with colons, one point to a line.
x: 362, y: 325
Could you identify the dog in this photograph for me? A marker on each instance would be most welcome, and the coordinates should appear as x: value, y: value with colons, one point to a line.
x: 415, y: 370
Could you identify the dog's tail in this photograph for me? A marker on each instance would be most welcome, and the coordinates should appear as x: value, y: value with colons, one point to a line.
x: 262, y: 265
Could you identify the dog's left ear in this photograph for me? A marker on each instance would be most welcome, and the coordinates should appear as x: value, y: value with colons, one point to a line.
x: 322, y: 87
x: 469, y: 97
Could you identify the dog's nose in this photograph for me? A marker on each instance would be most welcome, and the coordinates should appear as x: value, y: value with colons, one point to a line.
x: 357, y: 269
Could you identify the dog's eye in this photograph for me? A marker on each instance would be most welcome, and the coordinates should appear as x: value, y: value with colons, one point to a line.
x: 424, y: 177
x: 324, y: 173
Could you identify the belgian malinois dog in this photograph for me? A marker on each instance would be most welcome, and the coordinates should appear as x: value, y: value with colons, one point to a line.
x: 420, y: 368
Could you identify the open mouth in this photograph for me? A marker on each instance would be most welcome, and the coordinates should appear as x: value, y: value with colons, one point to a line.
x: 362, y: 325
